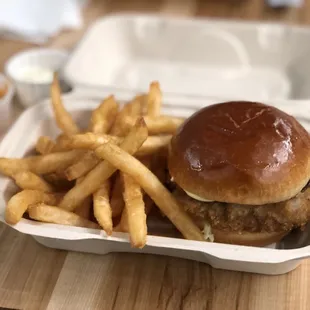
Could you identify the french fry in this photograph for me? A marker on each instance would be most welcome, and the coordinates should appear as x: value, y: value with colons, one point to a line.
x: 130, y: 111
x: 62, y: 117
x: 88, y: 161
x: 91, y: 141
x: 153, y: 144
x: 123, y: 223
x: 143, y: 103
x: 52, y: 214
x: 45, y: 145
x: 135, y: 211
x: 160, y: 169
x: 157, y: 125
x: 59, y: 137
x: 84, y: 209
x: 18, y: 204
x: 153, y: 187
x: 29, y: 180
x: 103, y: 117
x: 40, y: 164
x: 147, y: 161
x: 102, y: 207
x: 154, y: 100
x: 101, y: 121
x: 117, y: 201
x: 96, y: 177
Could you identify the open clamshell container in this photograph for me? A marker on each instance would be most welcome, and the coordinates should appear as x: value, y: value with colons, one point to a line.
x: 197, y: 63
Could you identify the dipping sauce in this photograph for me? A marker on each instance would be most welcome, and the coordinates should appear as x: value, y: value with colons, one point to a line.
x: 35, y: 74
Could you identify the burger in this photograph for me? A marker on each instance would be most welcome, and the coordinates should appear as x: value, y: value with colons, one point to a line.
x: 241, y: 170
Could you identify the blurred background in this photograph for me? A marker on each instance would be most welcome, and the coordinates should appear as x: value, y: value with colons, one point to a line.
x: 17, y: 16
x: 273, y: 58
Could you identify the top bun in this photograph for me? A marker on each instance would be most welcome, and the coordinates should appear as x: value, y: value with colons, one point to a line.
x: 241, y: 152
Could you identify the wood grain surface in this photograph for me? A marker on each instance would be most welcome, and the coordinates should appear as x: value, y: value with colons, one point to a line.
x: 34, y: 277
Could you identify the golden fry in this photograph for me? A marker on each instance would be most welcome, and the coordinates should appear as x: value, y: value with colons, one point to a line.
x: 103, y: 117
x: 132, y: 111
x: 88, y: 161
x: 117, y: 201
x: 87, y: 140
x: 41, y: 164
x: 154, y: 100
x: 153, y: 144
x: 91, y: 141
x: 96, y: 177
x: 51, y: 214
x: 84, y: 209
x: 59, y: 137
x: 158, y: 125
x: 29, y: 180
x: 45, y: 145
x: 62, y: 117
x: 136, y: 216
x: 123, y: 223
x: 102, y: 207
x: 19, y: 203
x: 153, y: 187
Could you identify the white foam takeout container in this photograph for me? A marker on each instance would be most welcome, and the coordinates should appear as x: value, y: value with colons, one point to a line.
x: 194, y: 57
x: 118, y: 55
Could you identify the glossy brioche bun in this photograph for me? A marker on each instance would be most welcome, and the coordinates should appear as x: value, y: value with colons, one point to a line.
x: 247, y: 238
x: 241, y: 152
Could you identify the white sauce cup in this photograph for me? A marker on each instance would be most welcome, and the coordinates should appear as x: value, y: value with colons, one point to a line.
x: 31, y: 71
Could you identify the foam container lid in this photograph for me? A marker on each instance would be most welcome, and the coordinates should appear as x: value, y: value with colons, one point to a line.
x: 197, y: 63
x: 194, y: 58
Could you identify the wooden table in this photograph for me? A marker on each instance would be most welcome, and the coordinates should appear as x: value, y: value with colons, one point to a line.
x: 33, y: 277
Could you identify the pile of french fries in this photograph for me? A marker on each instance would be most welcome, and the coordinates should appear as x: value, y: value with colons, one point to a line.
x: 109, y: 177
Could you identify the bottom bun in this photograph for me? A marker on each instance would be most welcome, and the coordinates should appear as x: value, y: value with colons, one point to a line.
x: 247, y: 238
